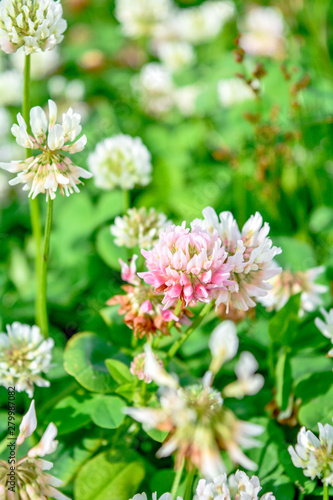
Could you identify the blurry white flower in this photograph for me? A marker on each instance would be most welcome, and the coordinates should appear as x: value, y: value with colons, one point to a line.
x: 223, y: 344
x: 237, y: 487
x: 31, y: 482
x: 203, y: 23
x: 24, y: 355
x: 143, y: 496
x: 121, y: 161
x: 198, y: 423
x: 262, y: 32
x: 326, y: 327
x: 140, y: 17
x: 138, y: 227
x: 155, y: 88
x: 175, y: 54
x: 11, y: 88
x: 52, y: 169
x: 155, y: 371
x: 138, y: 367
x: 42, y: 63
x: 251, y: 252
x: 185, y: 99
x: 313, y: 455
x: 35, y: 25
x: 248, y: 382
x: 5, y: 120
x: 4, y: 188
x: 287, y: 283
x: 234, y: 91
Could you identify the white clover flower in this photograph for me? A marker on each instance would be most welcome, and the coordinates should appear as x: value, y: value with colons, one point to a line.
x: 122, y: 162
x: 198, y: 423
x: 234, y: 91
x: 143, y: 496
x: 223, y: 344
x: 287, y: 283
x: 52, y: 169
x: 140, y: 17
x: 139, y: 227
x: 155, y: 88
x: 35, y: 25
x: 42, y: 63
x: 11, y: 87
x: 31, y: 482
x: 250, y: 252
x: 238, y: 486
x: 175, y: 55
x: 248, y: 382
x: 203, y: 23
x: 24, y: 355
x: 313, y: 455
x: 185, y: 99
x: 262, y: 32
x: 326, y: 326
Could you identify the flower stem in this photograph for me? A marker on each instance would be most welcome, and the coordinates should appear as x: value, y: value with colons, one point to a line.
x: 325, y: 492
x: 34, y: 204
x: 44, y: 320
x: 176, y: 480
x: 197, y: 322
x: 189, y: 484
x: 127, y: 199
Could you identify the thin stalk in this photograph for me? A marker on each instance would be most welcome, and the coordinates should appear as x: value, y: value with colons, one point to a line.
x: 176, y: 480
x: 325, y: 492
x: 127, y: 199
x: 197, y: 322
x: 34, y: 204
x: 46, y: 250
x: 189, y: 484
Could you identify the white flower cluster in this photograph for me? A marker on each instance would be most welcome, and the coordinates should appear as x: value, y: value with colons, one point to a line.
x: 237, y: 486
x: 313, y: 455
x: 140, y: 18
x: 35, y: 25
x: 31, y: 482
x: 24, y: 355
x: 262, y: 32
x: 122, y: 162
x: 326, y: 326
x: 52, y: 169
x: 250, y: 251
x: 138, y: 227
x: 287, y: 283
x: 198, y: 423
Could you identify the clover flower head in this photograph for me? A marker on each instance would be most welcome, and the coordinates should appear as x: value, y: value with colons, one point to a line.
x: 248, y: 382
x: 155, y: 88
x: 197, y: 423
x: 315, y: 455
x: 122, y: 162
x: 236, y: 486
x: 175, y: 54
x: 34, y: 25
x: 138, y: 227
x: 138, y: 367
x: 251, y: 254
x: 288, y: 283
x: 326, y: 326
x: 24, y: 355
x: 140, y: 18
x: 52, y: 168
x: 187, y: 264
x: 31, y: 480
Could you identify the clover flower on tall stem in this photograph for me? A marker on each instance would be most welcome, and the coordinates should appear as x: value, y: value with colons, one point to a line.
x: 197, y: 422
x: 31, y: 480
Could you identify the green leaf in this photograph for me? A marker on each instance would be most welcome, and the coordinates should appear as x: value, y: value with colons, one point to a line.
x: 156, y: 435
x: 69, y: 415
x: 84, y: 359
x: 321, y: 219
x: 282, y: 327
x: 108, y: 412
x: 108, y: 250
x: 297, y: 255
x: 114, y: 475
x: 283, y: 379
x: 319, y: 409
x: 119, y: 371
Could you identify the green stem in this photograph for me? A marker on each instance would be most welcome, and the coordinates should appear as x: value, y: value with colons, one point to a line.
x: 34, y: 204
x: 127, y: 199
x: 46, y: 249
x: 197, y: 322
x: 176, y: 480
x: 189, y: 485
x: 325, y: 492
